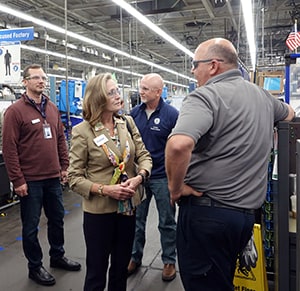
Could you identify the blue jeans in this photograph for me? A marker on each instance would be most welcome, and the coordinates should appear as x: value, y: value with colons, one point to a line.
x: 167, y: 224
x: 209, y: 240
x: 48, y: 194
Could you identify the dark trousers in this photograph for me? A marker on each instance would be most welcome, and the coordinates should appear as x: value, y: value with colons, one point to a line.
x: 7, y: 69
x: 107, y: 236
x: 47, y: 194
x: 209, y: 239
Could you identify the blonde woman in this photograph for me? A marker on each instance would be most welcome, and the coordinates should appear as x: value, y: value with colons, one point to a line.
x: 108, y: 161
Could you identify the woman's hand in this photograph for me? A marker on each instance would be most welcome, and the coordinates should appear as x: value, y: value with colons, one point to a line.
x: 118, y: 191
x: 133, y: 182
x: 122, y: 191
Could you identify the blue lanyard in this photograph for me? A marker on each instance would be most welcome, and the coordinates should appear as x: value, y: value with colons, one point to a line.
x: 40, y: 107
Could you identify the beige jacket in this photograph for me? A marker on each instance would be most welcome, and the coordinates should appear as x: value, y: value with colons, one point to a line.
x: 89, y: 163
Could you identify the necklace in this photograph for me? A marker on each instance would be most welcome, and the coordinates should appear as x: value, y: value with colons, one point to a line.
x: 111, y: 129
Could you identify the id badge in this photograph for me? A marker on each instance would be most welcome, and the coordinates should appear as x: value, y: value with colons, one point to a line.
x: 100, y: 140
x: 47, y: 131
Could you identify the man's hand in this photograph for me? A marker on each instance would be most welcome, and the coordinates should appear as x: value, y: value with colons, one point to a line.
x: 186, y: 190
x: 178, y: 155
x: 64, y: 177
x: 22, y: 190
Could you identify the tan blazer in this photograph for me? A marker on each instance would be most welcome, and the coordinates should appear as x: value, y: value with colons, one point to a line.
x: 89, y: 164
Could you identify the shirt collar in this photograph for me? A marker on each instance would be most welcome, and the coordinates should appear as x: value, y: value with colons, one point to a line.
x: 225, y: 75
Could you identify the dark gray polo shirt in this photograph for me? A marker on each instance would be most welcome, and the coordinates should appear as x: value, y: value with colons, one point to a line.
x: 231, y: 121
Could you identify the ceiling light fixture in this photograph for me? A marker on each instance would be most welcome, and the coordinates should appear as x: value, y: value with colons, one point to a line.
x: 77, y: 60
x: 144, y: 20
x: 63, y: 77
x: 248, y: 19
x: 61, y: 30
x: 59, y: 55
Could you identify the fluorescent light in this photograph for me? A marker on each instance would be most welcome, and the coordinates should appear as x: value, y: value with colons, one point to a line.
x: 77, y: 60
x: 63, y: 77
x: 176, y: 84
x: 61, y: 30
x: 144, y: 20
x: 248, y: 18
x: 59, y: 55
x: 106, y: 57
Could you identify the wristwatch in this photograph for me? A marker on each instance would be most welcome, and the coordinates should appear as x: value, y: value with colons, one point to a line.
x: 100, y: 190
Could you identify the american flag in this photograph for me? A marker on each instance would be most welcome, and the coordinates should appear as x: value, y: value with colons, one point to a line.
x: 293, y: 40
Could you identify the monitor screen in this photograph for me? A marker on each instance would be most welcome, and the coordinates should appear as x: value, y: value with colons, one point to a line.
x: 272, y: 83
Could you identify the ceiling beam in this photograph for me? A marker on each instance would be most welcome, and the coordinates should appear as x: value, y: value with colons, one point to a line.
x: 208, y: 8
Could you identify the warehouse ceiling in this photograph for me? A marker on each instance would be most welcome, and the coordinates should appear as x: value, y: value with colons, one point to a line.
x: 188, y: 21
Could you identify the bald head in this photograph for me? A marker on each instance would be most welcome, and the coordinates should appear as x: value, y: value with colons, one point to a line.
x: 154, y: 80
x: 219, y: 48
x: 213, y: 57
x: 151, y: 87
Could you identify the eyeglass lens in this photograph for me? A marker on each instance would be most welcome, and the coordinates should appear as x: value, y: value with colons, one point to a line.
x: 113, y: 92
x: 195, y: 63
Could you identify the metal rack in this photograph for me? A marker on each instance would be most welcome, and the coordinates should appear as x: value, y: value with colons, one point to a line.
x: 7, y: 97
x: 281, y: 213
x: 287, y: 230
x: 298, y: 215
x: 5, y: 189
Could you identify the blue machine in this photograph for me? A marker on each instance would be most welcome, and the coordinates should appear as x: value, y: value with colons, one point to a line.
x: 75, y: 93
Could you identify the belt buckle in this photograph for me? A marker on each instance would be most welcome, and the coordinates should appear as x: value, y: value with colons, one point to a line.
x: 206, y: 201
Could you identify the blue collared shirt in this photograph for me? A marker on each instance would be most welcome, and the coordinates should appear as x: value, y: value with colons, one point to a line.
x: 155, y: 132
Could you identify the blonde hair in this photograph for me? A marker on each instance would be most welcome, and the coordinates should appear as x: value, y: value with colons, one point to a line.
x: 95, y: 98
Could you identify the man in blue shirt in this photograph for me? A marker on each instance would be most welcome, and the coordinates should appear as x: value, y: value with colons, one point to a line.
x: 155, y: 119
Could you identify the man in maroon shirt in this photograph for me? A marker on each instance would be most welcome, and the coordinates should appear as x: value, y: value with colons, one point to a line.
x: 36, y: 158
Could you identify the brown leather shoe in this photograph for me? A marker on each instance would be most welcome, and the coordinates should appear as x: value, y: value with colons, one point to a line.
x: 132, y: 267
x: 169, y: 272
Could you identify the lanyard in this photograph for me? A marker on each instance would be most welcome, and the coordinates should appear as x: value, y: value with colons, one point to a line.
x: 40, y: 107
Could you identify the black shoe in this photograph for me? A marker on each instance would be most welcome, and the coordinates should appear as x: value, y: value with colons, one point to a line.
x: 65, y: 263
x: 41, y: 276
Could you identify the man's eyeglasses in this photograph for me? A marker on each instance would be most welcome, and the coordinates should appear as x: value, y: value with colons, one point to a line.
x: 113, y: 93
x: 195, y: 63
x: 37, y: 78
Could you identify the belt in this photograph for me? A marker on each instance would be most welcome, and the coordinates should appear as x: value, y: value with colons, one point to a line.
x: 207, y: 201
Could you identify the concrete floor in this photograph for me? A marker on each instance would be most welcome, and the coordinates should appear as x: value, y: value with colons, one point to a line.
x: 13, y: 264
